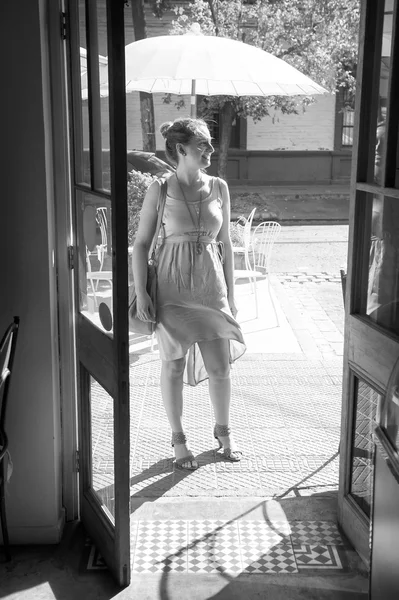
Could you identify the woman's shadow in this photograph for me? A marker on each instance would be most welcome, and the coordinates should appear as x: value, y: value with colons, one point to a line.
x: 167, y: 476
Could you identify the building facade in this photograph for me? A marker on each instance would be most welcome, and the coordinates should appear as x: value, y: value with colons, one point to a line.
x: 314, y: 146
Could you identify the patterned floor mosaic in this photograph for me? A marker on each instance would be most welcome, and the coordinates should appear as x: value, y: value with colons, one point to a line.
x: 232, y: 547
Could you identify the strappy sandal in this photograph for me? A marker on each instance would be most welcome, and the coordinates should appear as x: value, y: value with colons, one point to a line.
x: 188, y: 462
x: 228, y: 453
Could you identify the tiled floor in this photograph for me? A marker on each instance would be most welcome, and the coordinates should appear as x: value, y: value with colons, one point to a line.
x: 220, y: 544
x: 247, y: 546
x: 242, y: 544
x: 246, y: 556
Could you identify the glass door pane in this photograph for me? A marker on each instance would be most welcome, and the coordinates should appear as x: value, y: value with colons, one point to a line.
x: 102, y: 447
x: 366, y: 413
x: 94, y: 225
x: 385, y: 67
x: 79, y: 80
x: 383, y: 281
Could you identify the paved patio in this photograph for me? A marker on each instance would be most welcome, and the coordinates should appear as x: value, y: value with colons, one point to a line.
x: 285, y: 410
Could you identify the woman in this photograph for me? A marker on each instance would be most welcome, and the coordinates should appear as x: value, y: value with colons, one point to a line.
x: 197, y: 334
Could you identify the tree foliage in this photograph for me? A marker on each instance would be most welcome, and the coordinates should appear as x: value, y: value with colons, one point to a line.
x: 146, y: 100
x: 318, y: 37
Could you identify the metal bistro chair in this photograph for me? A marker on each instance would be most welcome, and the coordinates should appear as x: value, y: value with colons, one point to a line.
x: 245, y: 230
x: 100, y: 251
x: 7, y: 352
x: 95, y: 276
x: 258, y: 252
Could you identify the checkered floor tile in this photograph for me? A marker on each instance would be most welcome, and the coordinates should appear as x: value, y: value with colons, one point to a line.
x: 317, y: 556
x: 280, y: 559
x: 162, y: 547
x: 243, y: 546
x: 314, y: 532
x: 266, y: 549
x: 214, y: 547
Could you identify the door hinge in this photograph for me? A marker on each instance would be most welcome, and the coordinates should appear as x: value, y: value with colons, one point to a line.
x: 63, y: 26
x: 71, y: 257
x: 77, y: 461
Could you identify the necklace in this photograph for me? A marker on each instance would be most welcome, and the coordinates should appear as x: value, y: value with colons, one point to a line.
x: 198, y: 245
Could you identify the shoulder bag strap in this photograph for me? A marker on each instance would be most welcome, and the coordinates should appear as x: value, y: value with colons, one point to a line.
x: 220, y: 193
x: 161, y: 207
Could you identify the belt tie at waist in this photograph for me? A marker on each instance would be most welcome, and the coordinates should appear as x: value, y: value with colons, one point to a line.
x: 174, y: 239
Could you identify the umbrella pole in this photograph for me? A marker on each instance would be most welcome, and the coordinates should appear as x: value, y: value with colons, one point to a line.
x: 193, y: 100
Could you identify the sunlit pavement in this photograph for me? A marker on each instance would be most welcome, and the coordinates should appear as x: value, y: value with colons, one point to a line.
x: 285, y: 409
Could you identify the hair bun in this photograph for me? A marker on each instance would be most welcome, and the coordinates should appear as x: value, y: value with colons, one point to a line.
x: 165, y: 128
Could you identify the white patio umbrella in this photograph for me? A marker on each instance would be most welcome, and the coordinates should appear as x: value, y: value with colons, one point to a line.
x: 194, y: 63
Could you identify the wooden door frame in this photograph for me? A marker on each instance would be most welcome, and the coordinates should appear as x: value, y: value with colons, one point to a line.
x: 354, y: 522
x: 101, y: 355
x: 65, y: 291
x: 369, y: 352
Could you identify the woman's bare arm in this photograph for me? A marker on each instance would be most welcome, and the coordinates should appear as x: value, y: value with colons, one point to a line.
x: 224, y: 236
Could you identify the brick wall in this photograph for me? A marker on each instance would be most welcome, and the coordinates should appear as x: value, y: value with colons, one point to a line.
x: 312, y: 130
x: 163, y: 112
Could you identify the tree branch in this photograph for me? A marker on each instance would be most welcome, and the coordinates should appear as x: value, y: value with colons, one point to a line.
x: 214, y: 17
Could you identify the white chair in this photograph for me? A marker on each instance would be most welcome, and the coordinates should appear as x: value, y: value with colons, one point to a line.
x: 263, y: 238
x: 258, y: 250
x: 246, y: 230
x: 99, y: 252
x: 101, y: 249
x: 94, y: 277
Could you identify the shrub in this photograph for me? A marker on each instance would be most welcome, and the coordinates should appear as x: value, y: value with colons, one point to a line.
x: 137, y: 187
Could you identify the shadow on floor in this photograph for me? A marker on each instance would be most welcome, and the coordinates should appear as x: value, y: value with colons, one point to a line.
x: 59, y: 573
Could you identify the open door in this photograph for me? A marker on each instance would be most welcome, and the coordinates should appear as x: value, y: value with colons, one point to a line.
x: 372, y: 299
x: 99, y: 257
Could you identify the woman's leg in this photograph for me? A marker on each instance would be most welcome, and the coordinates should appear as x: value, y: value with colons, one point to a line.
x: 172, y: 396
x: 216, y: 356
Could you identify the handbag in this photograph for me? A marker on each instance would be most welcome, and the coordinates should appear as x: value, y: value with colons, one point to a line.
x: 135, y: 324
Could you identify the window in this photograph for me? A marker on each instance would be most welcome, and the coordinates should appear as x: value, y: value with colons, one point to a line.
x: 344, y: 119
x: 348, y: 115
x: 214, y: 128
x: 213, y: 121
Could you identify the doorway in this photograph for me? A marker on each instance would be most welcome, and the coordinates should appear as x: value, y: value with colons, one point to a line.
x: 122, y: 506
